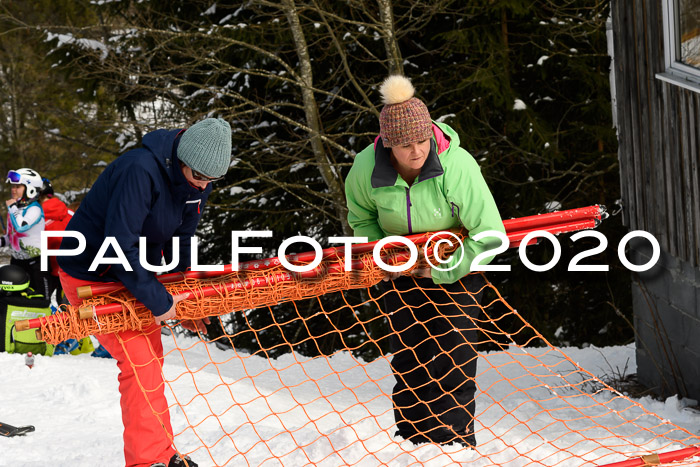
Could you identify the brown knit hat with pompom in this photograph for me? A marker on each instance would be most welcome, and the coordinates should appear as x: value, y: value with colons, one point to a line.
x: 404, y: 118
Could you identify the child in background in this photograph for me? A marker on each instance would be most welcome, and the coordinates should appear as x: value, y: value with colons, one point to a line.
x: 25, y: 221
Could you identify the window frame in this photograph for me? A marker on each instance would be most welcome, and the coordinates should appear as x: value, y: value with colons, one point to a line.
x: 676, y: 72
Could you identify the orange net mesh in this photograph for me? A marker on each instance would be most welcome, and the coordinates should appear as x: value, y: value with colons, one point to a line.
x: 532, y: 404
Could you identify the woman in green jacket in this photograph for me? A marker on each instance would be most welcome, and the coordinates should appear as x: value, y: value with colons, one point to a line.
x: 415, y: 178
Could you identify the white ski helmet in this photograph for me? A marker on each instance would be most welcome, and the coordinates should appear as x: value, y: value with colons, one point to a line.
x: 27, y: 177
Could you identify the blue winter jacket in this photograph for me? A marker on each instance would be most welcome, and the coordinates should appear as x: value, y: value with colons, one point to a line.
x: 143, y: 193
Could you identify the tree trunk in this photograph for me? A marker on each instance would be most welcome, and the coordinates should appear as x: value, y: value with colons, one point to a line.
x: 393, y: 54
x: 330, y: 174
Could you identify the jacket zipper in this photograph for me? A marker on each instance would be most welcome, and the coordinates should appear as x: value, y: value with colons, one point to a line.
x: 408, y: 209
x: 453, y: 209
x: 198, y: 201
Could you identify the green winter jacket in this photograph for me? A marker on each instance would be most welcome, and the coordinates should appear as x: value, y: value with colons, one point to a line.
x: 450, y: 191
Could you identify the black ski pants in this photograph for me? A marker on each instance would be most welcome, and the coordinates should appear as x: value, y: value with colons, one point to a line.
x: 434, y: 356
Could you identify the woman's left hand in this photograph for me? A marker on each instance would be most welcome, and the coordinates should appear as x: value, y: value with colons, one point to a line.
x: 422, y: 272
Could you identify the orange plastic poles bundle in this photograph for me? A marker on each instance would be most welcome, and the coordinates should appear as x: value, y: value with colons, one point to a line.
x: 516, y: 229
x: 569, y: 220
x: 658, y: 459
x: 217, y: 290
x: 234, y: 293
x: 257, y: 265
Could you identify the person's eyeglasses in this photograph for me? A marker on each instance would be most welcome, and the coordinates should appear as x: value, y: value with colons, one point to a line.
x: 201, y: 177
x: 14, y: 177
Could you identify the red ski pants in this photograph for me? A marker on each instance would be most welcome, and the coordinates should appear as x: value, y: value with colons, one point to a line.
x: 148, y: 434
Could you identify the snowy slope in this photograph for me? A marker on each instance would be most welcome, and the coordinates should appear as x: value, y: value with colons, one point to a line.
x: 74, y: 403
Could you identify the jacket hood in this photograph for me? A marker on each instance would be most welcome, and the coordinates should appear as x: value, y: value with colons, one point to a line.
x: 54, y: 209
x: 445, y: 136
x: 163, y: 145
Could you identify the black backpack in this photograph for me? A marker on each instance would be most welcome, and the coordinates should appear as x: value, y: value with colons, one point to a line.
x: 17, y: 307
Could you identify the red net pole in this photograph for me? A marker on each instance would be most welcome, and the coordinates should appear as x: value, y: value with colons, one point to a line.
x: 558, y: 217
x: 658, y: 459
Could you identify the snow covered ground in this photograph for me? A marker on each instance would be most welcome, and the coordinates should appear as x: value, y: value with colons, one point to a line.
x: 74, y: 404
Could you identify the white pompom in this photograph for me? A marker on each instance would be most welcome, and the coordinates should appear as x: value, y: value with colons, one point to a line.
x: 396, y: 89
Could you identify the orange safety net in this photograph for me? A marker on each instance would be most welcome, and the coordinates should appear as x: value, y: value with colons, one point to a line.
x: 533, y: 404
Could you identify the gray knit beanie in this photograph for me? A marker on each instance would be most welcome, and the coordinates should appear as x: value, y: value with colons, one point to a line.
x: 206, y: 147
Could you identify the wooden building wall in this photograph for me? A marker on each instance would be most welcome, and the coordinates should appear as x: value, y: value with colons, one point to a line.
x: 658, y: 126
x: 658, y: 132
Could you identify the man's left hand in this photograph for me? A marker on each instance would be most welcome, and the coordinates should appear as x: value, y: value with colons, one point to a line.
x: 196, y: 325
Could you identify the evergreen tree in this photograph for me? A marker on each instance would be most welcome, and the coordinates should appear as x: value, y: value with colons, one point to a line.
x: 49, y: 122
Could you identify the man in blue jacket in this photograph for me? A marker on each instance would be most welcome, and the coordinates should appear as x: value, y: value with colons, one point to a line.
x: 157, y: 192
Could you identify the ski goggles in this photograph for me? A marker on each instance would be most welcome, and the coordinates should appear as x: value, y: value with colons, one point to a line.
x: 13, y: 177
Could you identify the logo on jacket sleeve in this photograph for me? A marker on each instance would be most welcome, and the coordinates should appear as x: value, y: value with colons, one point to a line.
x: 25, y: 314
